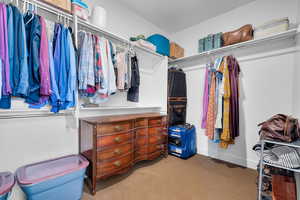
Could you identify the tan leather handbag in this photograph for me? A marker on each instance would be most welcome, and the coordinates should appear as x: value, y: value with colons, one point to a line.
x: 242, y: 34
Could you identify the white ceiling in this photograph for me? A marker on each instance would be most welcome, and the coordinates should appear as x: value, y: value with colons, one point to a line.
x: 175, y: 15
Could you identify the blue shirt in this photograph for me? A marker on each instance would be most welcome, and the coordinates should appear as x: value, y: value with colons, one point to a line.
x: 33, y: 34
x: 54, y: 98
x: 20, y: 67
x: 71, y: 93
x: 55, y: 102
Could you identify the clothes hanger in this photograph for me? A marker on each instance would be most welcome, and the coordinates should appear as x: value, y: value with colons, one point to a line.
x: 29, y: 11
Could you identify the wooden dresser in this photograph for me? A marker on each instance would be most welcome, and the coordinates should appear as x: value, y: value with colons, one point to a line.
x: 113, y: 144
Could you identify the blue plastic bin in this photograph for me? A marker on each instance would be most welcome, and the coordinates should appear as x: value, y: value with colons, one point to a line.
x: 7, y: 181
x: 162, y: 44
x: 56, y: 179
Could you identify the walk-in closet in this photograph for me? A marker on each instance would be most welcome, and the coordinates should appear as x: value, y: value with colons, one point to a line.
x: 153, y: 100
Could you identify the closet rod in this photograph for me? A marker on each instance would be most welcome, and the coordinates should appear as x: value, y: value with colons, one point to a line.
x: 49, y: 8
x: 17, y: 116
x: 115, y: 37
x: 82, y: 22
x: 33, y: 116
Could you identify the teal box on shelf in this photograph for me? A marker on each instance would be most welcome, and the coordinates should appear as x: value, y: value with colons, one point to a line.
x: 162, y: 44
x: 218, y: 42
x: 201, y: 46
x: 208, y: 44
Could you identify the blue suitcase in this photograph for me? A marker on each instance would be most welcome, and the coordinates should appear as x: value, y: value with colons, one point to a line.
x: 182, y: 141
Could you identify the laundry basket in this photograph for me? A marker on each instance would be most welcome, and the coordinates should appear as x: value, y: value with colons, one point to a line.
x: 56, y: 179
x: 7, y: 181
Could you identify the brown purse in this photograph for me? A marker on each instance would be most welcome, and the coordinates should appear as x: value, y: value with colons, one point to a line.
x: 280, y: 127
x: 242, y: 34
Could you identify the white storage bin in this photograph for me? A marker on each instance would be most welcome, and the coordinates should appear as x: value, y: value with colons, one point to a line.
x: 271, y: 27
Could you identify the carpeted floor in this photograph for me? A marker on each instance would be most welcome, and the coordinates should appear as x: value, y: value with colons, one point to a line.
x: 198, y: 178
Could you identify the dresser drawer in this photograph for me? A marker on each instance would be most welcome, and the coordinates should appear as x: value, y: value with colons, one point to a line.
x: 156, y: 147
x: 160, y: 130
x: 112, y: 140
x: 115, y: 152
x: 114, y: 127
x: 141, y: 132
x: 105, y: 168
x: 154, y: 155
x: 141, y: 123
x: 159, y: 121
x: 141, y: 141
x: 157, y: 139
x: 144, y: 150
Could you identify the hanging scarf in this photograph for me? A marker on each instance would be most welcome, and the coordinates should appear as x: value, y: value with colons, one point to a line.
x: 210, y: 124
x: 225, y: 135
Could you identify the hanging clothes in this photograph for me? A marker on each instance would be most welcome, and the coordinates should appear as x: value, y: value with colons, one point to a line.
x: 218, y: 100
x: 37, y: 61
x: 71, y: 97
x: 133, y: 92
x: 4, y: 56
x: 210, y: 124
x: 20, y: 54
x: 64, y: 61
x: 234, y: 71
x: 121, y: 69
x: 33, y: 35
x: 205, y: 99
x: 45, y: 87
x: 221, y: 101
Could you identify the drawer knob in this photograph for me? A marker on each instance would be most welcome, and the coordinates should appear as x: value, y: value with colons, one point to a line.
x: 159, y: 146
x: 118, y: 128
x: 117, y: 151
x: 117, y: 163
x: 118, y: 139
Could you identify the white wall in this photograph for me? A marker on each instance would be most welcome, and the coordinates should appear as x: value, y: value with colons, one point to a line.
x: 123, y: 21
x: 266, y: 79
x: 256, y: 13
x: 24, y: 141
x: 296, y: 102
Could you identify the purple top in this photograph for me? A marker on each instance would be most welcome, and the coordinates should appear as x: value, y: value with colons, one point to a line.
x: 7, y: 181
x: 6, y: 89
x: 49, y: 169
x: 205, y: 100
x: 45, y: 88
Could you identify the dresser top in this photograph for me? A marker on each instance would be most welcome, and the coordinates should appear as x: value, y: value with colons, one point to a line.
x: 116, y: 118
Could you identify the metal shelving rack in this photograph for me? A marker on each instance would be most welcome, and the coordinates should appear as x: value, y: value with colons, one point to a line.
x: 295, y: 144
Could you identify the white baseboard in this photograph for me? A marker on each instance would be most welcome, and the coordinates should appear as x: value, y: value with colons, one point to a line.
x: 244, y: 162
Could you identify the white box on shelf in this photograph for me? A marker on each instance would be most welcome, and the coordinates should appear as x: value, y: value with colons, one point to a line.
x: 271, y: 27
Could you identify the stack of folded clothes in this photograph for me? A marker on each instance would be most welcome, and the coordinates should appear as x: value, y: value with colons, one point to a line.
x: 284, y: 156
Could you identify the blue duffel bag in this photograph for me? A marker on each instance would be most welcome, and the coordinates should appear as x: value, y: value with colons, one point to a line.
x: 162, y: 44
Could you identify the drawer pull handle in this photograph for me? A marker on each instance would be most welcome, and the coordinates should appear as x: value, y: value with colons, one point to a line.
x: 118, y: 139
x: 118, y: 128
x: 117, y: 151
x: 159, y: 146
x: 117, y: 163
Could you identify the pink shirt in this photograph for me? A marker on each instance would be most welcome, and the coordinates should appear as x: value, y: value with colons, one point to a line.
x: 45, y: 87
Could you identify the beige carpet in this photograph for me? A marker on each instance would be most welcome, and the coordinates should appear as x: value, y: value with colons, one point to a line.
x: 198, y: 178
